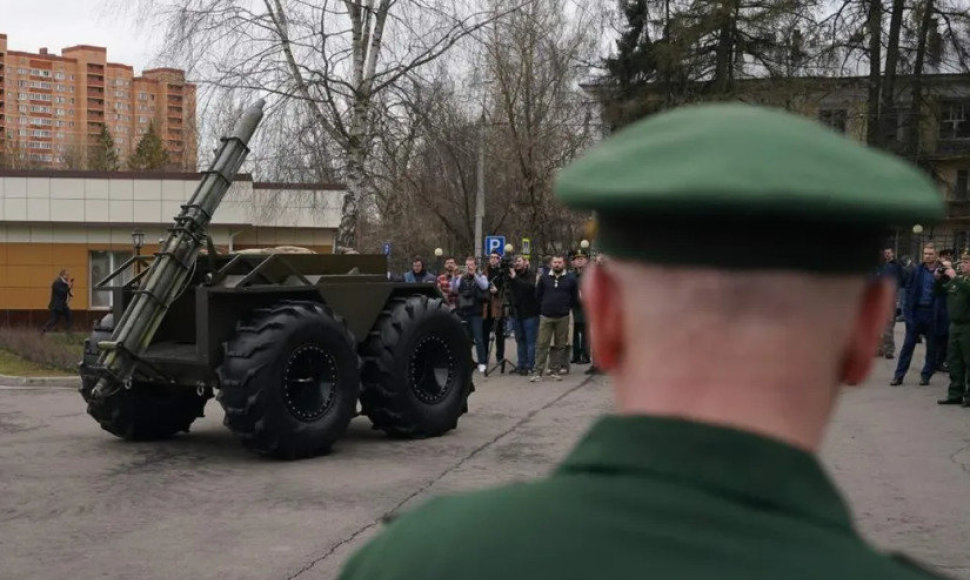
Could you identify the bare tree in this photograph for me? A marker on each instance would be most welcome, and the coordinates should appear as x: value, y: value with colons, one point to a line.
x: 334, y: 58
x: 540, y: 118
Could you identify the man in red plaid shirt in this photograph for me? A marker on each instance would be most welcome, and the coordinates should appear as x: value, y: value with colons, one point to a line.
x: 444, y: 280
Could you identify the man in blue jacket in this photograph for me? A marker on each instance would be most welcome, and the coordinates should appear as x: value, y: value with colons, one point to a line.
x: 920, y: 313
x: 891, y: 270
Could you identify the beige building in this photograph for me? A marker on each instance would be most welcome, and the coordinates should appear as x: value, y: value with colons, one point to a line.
x: 841, y: 103
x: 83, y: 221
x: 53, y: 106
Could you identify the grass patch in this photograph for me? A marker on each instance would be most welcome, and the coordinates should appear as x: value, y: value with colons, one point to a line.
x: 13, y: 365
x: 50, y: 351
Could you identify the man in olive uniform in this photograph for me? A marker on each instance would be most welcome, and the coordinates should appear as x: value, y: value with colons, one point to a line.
x: 719, y: 222
x: 957, y: 289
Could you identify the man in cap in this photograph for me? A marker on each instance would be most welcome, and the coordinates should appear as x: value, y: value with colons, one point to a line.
x: 957, y: 288
x: 719, y: 222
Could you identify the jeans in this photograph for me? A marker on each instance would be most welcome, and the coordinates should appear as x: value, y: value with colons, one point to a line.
x: 473, y: 328
x: 922, y: 324
x: 526, y: 334
x: 580, y: 343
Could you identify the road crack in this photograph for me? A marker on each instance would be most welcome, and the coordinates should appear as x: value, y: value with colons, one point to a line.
x: 389, y: 515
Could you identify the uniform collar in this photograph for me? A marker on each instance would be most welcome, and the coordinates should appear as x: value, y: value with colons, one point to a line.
x: 745, y: 467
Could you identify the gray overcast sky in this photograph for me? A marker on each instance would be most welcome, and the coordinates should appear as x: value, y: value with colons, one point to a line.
x: 56, y: 24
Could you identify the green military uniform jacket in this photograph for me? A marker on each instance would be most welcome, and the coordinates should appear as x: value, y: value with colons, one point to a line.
x: 641, y: 497
x: 957, y: 299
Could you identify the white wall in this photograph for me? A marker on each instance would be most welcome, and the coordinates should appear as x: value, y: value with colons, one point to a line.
x: 126, y: 201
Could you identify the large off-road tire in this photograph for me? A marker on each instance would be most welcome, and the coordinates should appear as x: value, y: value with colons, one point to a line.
x: 290, y: 380
x: 417, y: 369
x: 143, y: 412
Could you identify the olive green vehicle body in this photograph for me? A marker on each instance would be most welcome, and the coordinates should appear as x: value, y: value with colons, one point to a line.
x: 187, y: 348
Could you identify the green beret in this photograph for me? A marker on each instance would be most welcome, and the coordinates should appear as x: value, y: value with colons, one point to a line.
x: 741, y: 186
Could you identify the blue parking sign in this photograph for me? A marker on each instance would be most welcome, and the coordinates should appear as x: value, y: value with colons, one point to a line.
x: 495, y: 245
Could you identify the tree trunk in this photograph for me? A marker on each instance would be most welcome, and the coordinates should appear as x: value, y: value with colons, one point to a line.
x: 913, y: 126
x: 875, y: 62
x: 346, y: 237
x: 888, y: 109
x: 724, y: 52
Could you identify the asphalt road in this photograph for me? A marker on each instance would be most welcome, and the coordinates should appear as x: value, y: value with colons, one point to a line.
x: 78, y: 503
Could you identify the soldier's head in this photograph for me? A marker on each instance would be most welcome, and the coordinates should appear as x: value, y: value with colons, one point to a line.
x: 759, y: 257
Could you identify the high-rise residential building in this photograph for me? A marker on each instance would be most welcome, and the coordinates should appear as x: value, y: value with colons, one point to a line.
x: 52, y: 107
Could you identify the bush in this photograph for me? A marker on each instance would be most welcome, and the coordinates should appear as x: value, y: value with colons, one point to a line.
x: 59, y: 351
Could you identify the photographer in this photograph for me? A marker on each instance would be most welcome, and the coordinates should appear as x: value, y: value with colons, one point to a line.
x: 525, y: 313
x: 61, y: 293
x: 497, y: 273
x: 471, y: 289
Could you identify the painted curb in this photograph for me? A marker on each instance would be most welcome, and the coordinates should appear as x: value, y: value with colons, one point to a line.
x: 70, y: 381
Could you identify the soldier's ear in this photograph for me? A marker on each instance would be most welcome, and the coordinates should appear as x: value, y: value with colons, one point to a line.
x: 876, y: 306
x: 601, y: 300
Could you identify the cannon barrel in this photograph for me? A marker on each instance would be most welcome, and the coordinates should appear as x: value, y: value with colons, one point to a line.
x: 175, y: 261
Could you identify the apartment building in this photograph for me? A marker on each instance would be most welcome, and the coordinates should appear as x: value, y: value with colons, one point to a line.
x: 53, y: 106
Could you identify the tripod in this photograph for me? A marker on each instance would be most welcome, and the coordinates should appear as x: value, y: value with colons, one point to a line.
x: 498, y: 330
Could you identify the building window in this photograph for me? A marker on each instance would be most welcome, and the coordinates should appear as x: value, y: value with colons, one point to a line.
x: 833, y: 118
x: 962, y: 188
x: 953, y: 120
x: 102, y: 263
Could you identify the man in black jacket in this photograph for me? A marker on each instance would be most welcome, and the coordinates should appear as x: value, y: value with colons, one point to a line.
x: 525, y: 313
x: 558, y: 293
x: 60, y: 294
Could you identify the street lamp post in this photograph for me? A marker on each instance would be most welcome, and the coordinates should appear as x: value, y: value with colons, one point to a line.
x: 438, y: 252
x: 137, y: 240
x: 918, y: 251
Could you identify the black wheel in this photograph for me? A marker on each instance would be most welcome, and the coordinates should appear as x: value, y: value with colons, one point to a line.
x: 290, y: 380
x: 417, y: 369
x: 144, y: 412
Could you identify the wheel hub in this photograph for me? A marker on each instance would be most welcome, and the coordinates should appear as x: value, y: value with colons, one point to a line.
x: 309, y: 382
x: 431, y: 369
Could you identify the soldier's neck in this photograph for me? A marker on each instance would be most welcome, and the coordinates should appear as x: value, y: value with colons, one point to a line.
x: 795, y: 412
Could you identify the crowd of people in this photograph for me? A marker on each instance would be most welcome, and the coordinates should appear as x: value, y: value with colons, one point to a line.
x: 934, y: 303
x: 509, y: 296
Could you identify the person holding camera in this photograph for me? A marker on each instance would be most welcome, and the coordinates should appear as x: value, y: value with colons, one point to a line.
x: 494, y: 315
x: 61, y: 292
x: 471, y: 289
x: 525, y: 313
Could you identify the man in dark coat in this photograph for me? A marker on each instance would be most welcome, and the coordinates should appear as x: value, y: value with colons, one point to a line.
x: 61, y: 293
x: 891, y: 270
